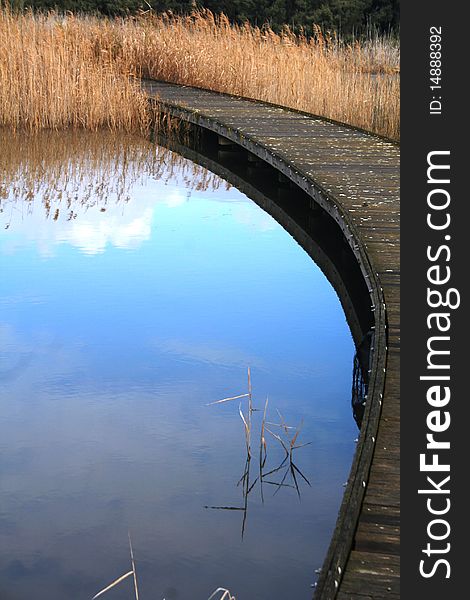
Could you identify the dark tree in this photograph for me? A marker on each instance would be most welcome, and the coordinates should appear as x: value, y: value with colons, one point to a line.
x: 346, y: 16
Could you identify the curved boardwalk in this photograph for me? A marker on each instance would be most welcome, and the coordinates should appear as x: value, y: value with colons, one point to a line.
x: 355, y: 178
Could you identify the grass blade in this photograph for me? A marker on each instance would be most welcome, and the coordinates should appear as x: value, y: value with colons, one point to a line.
x: 114, y: 583
x: 227, y: 399
x: 136, y: 589
x: 302, y: 475
x: 279, y: 439
x: 225, y: 507
x: 226, y: 594
x: 247, y: 431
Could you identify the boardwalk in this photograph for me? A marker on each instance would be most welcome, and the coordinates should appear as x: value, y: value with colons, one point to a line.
x: 354, y: 177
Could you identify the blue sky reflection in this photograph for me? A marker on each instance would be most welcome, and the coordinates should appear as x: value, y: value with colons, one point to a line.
x: 117, y: 327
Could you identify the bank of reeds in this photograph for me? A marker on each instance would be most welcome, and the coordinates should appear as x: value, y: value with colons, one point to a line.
x: 357, y: 83
x: 55, y: 73
x: 58, y: 71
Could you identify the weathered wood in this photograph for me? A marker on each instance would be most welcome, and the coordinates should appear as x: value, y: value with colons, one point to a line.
x: 354, y: 178
x: 377, y: 575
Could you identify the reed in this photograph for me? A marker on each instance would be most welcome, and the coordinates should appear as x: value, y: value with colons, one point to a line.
x: 68, y: 71
x: 225, y: 594
x: 355, y: 82
x: 289, y: 445
x: 287, y: 441
x: 123, y: 577
x: 55, y: 73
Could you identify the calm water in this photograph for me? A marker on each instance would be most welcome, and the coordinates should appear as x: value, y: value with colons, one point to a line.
x: 135, y: 289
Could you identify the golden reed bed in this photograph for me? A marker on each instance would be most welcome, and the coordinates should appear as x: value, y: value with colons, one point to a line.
x: 76, y: 71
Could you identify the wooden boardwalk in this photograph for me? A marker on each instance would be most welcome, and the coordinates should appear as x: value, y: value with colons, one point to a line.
x: 354, y: 177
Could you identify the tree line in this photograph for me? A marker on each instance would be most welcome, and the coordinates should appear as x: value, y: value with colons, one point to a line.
x: 345, y: 16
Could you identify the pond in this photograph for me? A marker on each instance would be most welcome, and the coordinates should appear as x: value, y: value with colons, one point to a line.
x: 138, y: 289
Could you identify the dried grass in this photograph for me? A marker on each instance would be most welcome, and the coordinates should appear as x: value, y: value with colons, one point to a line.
x: 286, y: 467
x: 68, y: 71
x: 356, y: 83
x: 226, y: 595
x: 123, y: 577
x: 55, y: 73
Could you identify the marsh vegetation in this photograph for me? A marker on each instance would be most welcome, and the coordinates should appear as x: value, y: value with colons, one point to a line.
x: 60, y: 71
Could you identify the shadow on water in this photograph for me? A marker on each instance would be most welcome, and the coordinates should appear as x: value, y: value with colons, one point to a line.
x: 311, y: 227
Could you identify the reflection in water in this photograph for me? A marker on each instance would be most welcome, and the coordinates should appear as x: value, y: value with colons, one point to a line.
x: 70, y: 176
x: 60, y: 165
x: 289, y: 443
x: 360, y: 382
x: 67, y: 179
x: 147, y: 294
x: 312, y: 228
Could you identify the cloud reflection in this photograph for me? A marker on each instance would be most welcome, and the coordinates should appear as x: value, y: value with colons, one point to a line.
x: 94, y: 192
x: 92, y: 236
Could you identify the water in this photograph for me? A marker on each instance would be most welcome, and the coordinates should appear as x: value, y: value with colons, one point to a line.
x: 135, y: 289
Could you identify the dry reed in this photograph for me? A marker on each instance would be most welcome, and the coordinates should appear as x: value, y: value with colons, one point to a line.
x: 123, y: 577
x: 356, y: 83
x: 80, y: 71
x: 56, y: 73
x: 287, y: 465
x: 226, y: 595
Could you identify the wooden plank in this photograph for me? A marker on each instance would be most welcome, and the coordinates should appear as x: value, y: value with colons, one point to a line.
x: 377, y: 575
x: 377, y: 538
